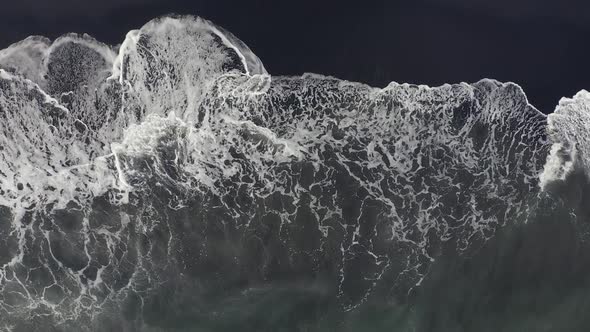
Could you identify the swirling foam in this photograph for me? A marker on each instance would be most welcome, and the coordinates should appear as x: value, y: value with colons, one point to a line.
x: 104, y: 152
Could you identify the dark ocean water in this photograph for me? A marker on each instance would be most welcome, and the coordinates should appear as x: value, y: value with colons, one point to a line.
x: 171, y: 184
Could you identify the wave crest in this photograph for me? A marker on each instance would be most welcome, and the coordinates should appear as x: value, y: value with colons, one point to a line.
x: 125, y: 171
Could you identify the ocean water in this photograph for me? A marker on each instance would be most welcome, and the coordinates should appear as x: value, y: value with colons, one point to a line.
x: 170, y: 183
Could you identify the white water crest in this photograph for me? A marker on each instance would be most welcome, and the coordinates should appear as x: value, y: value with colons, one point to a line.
x: 568, y: 129
x: 110, y: 158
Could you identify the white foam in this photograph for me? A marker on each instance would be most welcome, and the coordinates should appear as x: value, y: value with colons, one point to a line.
x: 191, y: 111
x: 568, y: 132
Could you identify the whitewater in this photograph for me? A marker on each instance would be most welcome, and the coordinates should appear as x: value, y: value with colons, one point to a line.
x: 175, y: 164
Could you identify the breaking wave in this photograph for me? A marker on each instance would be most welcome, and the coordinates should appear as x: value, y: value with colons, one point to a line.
x: 175, y: 164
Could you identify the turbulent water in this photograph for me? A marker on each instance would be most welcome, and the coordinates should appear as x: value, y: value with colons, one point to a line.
x: 171, y: 183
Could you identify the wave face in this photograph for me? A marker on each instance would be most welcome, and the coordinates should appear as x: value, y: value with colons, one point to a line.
x: 174, y: 169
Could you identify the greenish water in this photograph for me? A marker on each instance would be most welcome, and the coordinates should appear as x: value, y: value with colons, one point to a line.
x: 529, y: 277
